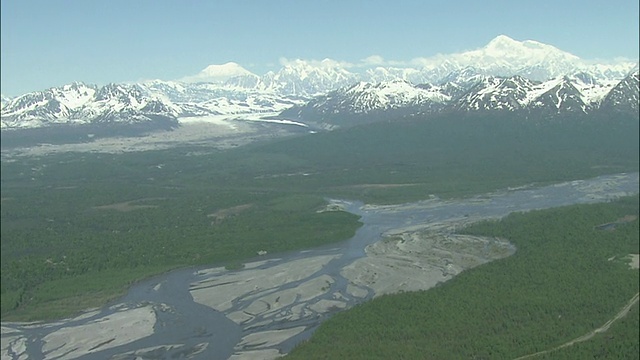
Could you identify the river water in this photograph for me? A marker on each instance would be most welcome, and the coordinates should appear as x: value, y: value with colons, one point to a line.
x: 276, y: 301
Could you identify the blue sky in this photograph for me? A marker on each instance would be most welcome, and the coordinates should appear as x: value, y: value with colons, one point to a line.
x: 51, y: 43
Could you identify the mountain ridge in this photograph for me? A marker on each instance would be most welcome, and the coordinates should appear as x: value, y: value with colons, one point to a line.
x: 471, y: 94
x: 503, y: 75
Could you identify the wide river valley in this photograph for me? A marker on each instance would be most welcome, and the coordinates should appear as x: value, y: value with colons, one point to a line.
x: 277, y: 300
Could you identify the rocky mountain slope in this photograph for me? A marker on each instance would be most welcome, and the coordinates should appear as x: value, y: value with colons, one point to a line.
x: 625, y: 96
x: 366, y: 102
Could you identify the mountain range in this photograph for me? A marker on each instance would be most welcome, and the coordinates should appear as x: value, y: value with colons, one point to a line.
x: 505, y: 75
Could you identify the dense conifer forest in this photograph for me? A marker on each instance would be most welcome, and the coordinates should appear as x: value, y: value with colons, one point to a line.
x: 567, y: 278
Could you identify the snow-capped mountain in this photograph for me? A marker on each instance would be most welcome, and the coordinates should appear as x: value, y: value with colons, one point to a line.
x: 503, y: 57
x: 517, y: 93
x: 504, y: 75
x: 218, y: 73
x: 366, y: 102
x: 371, y: 100
x: 382, y: 74
x: 506, y: 57
x: 78, y: 103
x: 4, y: 100
x: 592, y: 89
x: 212, y: 99
x: 298, y: 78
x: 559, y: 96
x: 625, y: 96
x: 495, y: 93
x: 301, y: 78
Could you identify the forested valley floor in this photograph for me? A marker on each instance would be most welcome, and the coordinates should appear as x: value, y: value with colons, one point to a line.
x: 77, y: 229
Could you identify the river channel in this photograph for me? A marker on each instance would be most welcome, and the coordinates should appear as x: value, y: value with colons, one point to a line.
x: 277, y: 300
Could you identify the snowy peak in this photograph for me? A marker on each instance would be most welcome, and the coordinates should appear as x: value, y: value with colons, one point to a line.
x: 504, y: 56
x: 370, y: 102
x: 466, y: 92
x: 625, y: 96
x: 119, y: 94
x: 295, y: 78
x: 561, y: 96
x: 218, y: 73
x: 51, y: 103
x: 247, y: 81
x: 230, y: 98
x: 367, y: 97
x: 496, y: 93
x: 381, y: 74
x: 229, y: 69
x: 593, y: 90
x: 504, y: 75
x: 4, y: 101
x: 300, y: 77
x: 78, y: 103
x: 516, y: 93
x: 504, y: 47
x: 74, y: 95
x: 501, y: 42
